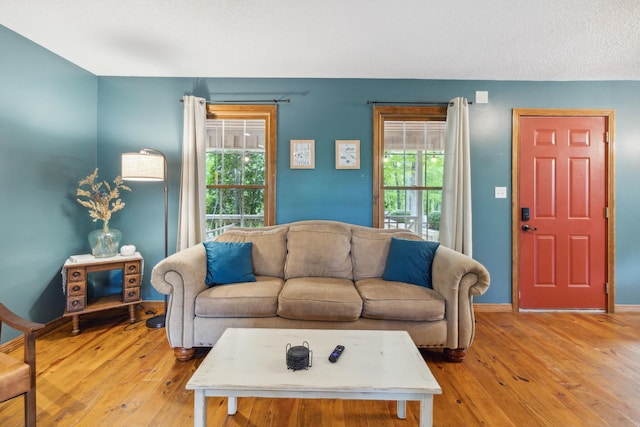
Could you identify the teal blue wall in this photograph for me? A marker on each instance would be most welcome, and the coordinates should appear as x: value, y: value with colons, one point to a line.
x: 57, y: 122
x: 136, y: 112
x: 48, y: 141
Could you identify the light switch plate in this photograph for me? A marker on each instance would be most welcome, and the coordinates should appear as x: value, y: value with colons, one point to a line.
x: 501, y: 192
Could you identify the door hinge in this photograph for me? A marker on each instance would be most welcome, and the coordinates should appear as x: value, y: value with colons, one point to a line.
x: 606, y: 137
x: 606, y: 288
x: 606, y: 212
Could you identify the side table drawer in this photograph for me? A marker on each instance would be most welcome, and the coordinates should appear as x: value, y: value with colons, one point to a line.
x: 76, y: 275
x: 75, y: 304
x: 131, y: 280
x: 131, y: 294
x: 132, y: 267
x: 75, y: 289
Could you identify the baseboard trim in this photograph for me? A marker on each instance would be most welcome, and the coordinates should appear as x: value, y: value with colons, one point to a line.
x: 627, y: 308
x: 155, y: 306
x: 508, y: 308
x: 493, y: 308
x: 18, y: 342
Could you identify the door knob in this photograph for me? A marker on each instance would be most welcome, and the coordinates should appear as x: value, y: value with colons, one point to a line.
x: 528, y: 227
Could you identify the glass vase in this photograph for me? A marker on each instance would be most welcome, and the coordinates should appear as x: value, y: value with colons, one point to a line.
x: 105, y: 243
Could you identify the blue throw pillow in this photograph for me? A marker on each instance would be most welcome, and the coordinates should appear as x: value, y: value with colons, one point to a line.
x: 410, y: 261
x: 228, y: 262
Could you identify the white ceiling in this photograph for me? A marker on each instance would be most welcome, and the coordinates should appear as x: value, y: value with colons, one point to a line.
x: 422, y: 39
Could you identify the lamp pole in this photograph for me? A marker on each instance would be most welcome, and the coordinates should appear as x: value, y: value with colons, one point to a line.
x: 145, y: 172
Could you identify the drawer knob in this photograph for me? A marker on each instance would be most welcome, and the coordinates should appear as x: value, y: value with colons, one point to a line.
x: 131, y: 294
x: 132, y: 269
x: 76, y: 274
x: 76, y: 288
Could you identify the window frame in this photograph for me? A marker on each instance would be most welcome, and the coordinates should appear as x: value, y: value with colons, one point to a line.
x: 268, y: 113
x: 394, y: 113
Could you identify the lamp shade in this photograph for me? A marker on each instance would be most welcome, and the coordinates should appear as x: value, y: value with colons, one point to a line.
x: 143, y: 167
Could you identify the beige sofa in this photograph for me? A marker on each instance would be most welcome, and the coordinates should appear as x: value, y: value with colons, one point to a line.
x: 320, y: 274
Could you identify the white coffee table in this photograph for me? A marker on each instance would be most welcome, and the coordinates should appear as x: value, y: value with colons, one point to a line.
x: 375, y: 365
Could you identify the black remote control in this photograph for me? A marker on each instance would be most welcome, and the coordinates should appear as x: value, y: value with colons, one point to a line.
x: 336, y: 353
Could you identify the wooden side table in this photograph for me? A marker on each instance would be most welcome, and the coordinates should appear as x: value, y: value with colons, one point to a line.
x: 74, y: 278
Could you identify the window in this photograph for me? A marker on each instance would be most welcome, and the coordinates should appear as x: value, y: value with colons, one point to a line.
x: 241, y: 166
x: 409, y: 159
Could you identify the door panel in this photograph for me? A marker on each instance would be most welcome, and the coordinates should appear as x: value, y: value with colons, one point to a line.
x: 563, y: 180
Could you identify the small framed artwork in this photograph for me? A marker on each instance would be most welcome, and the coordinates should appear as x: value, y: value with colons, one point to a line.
x: 302, y: 154
x: 347, y: 154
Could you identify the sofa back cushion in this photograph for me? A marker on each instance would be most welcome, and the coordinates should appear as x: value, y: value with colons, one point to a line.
x: 319, y: 249
x: 370, y: 248
x: 269, y: 247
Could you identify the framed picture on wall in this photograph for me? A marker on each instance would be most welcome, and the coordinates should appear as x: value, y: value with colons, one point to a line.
x: 302, y: 154
x: 347, y: 154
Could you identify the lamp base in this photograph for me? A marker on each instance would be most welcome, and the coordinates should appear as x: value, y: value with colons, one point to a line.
x: 156, y: 322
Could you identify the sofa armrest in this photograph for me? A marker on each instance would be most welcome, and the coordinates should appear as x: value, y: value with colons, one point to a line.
x: 182, y: 276
x: 458, y: 277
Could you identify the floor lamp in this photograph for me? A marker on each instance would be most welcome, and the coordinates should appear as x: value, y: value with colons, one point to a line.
x: 150, y: 165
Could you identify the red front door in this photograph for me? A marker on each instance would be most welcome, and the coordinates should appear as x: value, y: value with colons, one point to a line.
x: 563, y: 184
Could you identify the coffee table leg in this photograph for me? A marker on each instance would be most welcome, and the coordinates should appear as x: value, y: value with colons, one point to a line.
x: 232, y: 405
x: 426, y: 411
x: 199, y: 409
x: 402, y: 409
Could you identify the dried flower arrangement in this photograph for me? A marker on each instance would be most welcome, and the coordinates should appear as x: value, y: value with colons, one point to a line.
x: 102, y: 200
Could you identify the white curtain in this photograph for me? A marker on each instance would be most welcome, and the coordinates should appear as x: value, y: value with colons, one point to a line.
x: 455, y: 217
x: 191, y: 219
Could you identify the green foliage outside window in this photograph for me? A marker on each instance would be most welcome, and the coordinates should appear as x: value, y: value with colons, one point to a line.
x: 434, y: 220
x: 401, y: 169
x: 235, y: 168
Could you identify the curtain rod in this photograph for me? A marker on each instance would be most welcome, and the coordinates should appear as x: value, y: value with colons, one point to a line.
x: 415, y: 103
x: 246, y: 101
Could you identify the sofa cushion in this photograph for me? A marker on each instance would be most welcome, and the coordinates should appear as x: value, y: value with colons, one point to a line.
x: 269, y: 247
x: 399, y: 301
x: 251, y: 299
x: 369, y: 250
x: 319, y: 298
x: 410, y: 261
x: 319, y: 250
x: 228, y: 262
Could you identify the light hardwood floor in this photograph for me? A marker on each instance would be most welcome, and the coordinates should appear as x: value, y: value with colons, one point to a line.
x: 528, y: 369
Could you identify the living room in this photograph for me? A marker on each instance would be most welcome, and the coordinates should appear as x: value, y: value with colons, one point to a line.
x: 58, y: 122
